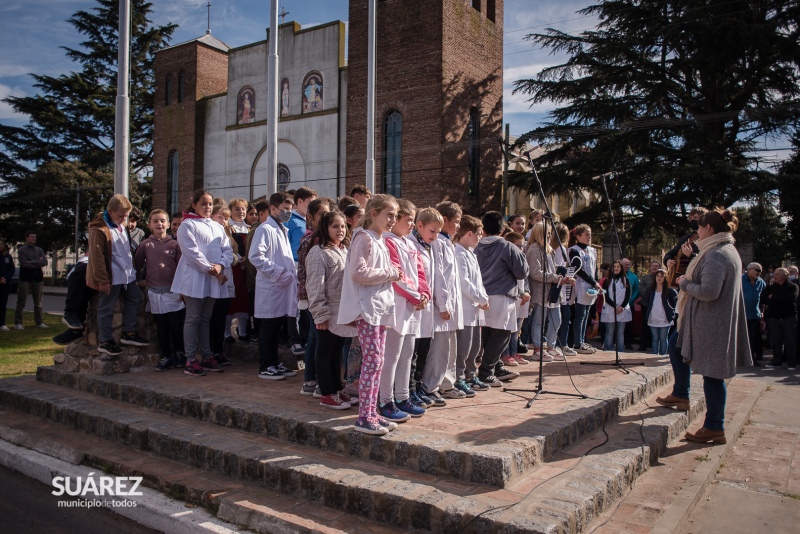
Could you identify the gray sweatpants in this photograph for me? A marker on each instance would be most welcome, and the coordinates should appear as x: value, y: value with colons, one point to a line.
x: 396, y: 366
x: 440, y: 369
x: 469, y: 346
x: 195, y: 327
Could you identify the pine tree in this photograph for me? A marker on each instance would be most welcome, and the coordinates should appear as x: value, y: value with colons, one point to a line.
x: 70, y: 133
x: 674, y: 97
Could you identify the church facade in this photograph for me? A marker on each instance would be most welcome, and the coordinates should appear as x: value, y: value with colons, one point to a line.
x: 438, y: 114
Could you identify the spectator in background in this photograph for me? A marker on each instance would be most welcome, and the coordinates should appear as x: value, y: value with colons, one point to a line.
x: 633, y: 280
x: 6, y: 274
x: 361, y: 194
x: 694, y: 217
x: 781, y: 300
x: 345, y: 201
x: 645, y: 286
x: 177, y: 219
x: 31, y: 261
x: 136, y: 233
x: 517, y: 224
x: 752, y: 287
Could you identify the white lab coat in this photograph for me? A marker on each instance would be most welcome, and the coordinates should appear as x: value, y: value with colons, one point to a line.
x: 276, y: 273
x: 203, y: 244
x: 447, y: 291
x: 472, y: 292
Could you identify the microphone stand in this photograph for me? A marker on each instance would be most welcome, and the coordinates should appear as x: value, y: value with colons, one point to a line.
x: 618, y: 362
x: 547, y: 216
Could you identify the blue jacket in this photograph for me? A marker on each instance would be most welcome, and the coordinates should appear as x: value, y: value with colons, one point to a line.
x: 297, y: 229
x: 752, y: 296
x: 669, y: 299
x: 633, y: 280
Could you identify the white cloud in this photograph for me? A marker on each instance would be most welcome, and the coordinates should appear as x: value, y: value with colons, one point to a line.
x: 6, y: 112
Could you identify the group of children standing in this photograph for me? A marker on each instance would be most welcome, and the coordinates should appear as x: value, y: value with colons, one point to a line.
x: 433, y: 298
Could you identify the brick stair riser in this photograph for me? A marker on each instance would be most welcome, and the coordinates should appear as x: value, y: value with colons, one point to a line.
x: 490, y: 466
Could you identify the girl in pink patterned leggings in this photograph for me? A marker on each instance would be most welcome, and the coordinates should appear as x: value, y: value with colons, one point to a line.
x: 368, y: 300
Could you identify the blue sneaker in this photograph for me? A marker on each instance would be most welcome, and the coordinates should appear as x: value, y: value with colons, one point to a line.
x: 461, y: 385
x: 408, y: 406
x: 476, y: 385
x: 424, y: 400
x: 390, y: 411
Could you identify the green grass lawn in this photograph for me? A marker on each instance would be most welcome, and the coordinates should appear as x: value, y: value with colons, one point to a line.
x: 22, y: 351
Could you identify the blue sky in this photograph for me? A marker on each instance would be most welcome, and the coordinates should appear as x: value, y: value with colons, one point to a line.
x: 36, y: 29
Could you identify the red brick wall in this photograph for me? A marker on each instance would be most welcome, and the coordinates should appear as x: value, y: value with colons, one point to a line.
x: 180, y: 126
x: 435, y: 61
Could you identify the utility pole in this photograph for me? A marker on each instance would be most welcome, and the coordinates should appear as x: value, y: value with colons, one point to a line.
x: 371, y: 96
x: 122, y: 119
x: 272, y: 102
x: 504, y: 199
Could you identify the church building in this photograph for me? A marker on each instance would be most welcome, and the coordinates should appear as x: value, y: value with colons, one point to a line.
x: 438, y: 113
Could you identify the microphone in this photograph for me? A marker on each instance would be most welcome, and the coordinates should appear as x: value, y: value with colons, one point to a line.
x: 604, y: 175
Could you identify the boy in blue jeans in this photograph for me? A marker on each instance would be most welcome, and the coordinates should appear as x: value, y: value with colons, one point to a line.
x: 111, y: 272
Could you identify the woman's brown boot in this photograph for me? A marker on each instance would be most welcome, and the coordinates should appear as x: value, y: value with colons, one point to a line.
x: 671, y: 401
x: 704, y: 435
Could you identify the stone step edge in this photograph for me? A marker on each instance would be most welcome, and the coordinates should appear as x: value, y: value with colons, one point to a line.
x: 498, y: 464
x: 606, y: 478
x: 242, y: 503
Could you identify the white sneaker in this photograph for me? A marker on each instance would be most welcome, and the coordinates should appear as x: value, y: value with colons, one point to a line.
x: 584, y: 348
x: 567, y: 351
x: 4, y: 328
x: 42, y: 325
x: 545, y: 357
x: 556, y: 353
x: 18, y: 326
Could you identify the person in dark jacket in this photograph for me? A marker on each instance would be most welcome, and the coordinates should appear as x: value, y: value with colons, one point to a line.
x: 694, y: 217
x: 752, y: 289
x: 502, y: 265
x: 6, y: 274
x: 781, y: 300
x: 31, y: 261
x: 660, y: 311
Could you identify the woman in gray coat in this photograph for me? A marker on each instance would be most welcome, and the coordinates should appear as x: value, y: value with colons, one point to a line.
x: 711, y: 338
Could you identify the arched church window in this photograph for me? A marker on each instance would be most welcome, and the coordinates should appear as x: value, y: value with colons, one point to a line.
x: 168, y: 90
x: 392, y: 151
x: 173, y: 172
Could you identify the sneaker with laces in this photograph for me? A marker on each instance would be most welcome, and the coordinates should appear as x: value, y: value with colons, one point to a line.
x: 584, y: 348
x: 504, y: 375
x: 134, y: 339
x: 390, y: 411
x: 492, y: 381
x: 475, y: 384
x: 545, y: 357
x: 211, y: 364
x: 66, y: 337
x: 556, y: 353
x: 72, y: 322
x: 371, y: 427
x: 352, y: 389
x: 4, y: 328
x: 423, y: 399
x: 510, y: 361
x: 19, y: 326
x: 286, y: 372
x: 463, y: 387
x: 271, y: 373
x: 317, y: 392
x: 454, y: 393
x: 308, y: 389
x: 347, y: 398
x: 410, y: 407
x: 437, y: 399
x: 164, y: 364
x: 389, y: 425
x: 110, y: 348
x: 333, y: 401
x: 297, y: 349
x: 42, y: 325
x: 519, y: 358
x: 568, y: 351
x: 193, y: 368
x: 222, y: 360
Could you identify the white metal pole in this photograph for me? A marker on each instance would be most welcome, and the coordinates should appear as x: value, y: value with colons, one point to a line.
x: 371, y: 96
x: 122, y: 118
x: 272, y: 102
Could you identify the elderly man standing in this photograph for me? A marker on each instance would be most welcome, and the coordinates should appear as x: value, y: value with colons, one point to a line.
x: 781, y: 300
x: 31, y: 261
x: 752, y: 287
x: 633, y: 280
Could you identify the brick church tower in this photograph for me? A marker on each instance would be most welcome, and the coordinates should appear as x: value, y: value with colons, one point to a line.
x: 185, y: 74
x: 439, y: 100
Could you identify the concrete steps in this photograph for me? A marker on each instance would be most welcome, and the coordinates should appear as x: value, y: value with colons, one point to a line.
x: 494, y: 456
x: 561, y: 493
